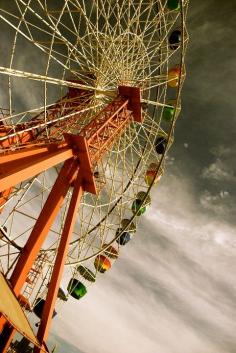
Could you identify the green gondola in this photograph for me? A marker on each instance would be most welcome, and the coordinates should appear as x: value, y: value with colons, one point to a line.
x: 168, y: 111
x: 173, y: 5
x: 137, y: 206
x: 140, y: 203
x: 76, y: 289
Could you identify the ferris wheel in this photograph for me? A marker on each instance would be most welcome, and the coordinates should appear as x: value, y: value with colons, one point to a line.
x: 90, y: 94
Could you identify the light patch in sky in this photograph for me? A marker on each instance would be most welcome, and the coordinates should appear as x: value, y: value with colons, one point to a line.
x: 218, y: 171
x: 170, y: 291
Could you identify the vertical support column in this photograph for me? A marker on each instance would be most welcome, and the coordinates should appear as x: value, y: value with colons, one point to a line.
x: 59, y: 263
x: 43, y: 224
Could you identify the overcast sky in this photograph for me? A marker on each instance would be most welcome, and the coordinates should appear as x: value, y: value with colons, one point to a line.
x: 173, y: 288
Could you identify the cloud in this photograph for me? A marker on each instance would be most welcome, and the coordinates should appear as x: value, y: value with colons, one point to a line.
x: 171, y: 289
x: 219, y: 180
x: 218, y: 171
x: 215, y: 202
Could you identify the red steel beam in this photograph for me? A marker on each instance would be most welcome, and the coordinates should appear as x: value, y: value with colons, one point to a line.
x: 43, y: 224
x: 17, y: 170
x: 100, y: 120
x: 59, y: 263
x: 105, y: 144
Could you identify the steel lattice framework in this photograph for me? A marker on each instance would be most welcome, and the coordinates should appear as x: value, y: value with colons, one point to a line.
x: 81, y: 114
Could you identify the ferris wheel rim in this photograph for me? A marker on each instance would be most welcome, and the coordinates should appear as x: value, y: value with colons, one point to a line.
x: 169, y: 134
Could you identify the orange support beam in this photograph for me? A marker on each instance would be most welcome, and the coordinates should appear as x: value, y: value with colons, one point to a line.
x: 26, y: 163
x: 43, y: 224
x: 59, y: 263
x: 12, y: 157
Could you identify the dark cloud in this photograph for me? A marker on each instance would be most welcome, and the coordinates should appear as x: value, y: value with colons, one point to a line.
x: 208, y: 113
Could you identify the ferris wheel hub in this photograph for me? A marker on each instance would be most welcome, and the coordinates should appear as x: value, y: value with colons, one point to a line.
x: 101, y: 93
